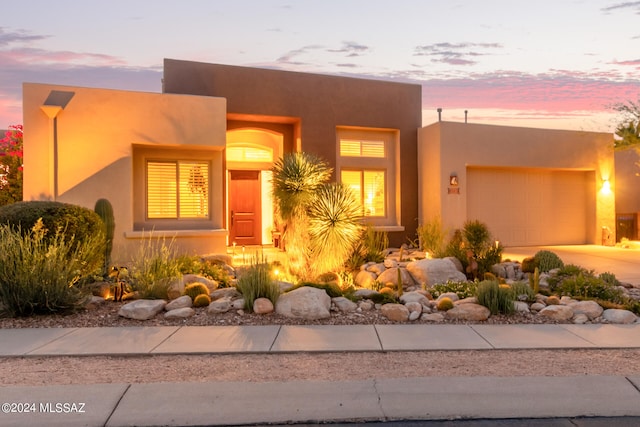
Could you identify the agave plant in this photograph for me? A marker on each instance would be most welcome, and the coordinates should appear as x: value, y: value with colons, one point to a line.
x: 334, y: 226
x: 296, y: 179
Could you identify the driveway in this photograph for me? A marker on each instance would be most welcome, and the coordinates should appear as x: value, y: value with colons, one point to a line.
x: 624, y: 263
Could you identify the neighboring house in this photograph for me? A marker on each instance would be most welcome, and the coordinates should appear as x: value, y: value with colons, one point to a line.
x: 193, y: 163
x: 627, y: 194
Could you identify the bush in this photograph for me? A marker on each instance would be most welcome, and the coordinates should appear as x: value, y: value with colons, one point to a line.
x: 609, y: 278
x: 256, y: 282
x: 195, y: 289
x: 383, y: 298
x: 154, y: 267
x: 497, y: 298
x: 547, y: 260
x: 523, y: 292
x: 75, y: 222
x: 568, y: 271
x: 40, y: 270
x: 332, y: 289
x: 477, y: 236
x: 202, y: 300
x: 370, y: 246
x: 591, y: 287
x: 188, y: 264
x: 462, y: 289
x: 432, y: 237
x: 444, y: 304
x: 528, y: 265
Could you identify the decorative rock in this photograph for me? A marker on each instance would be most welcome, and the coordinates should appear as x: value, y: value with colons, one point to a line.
x: 414, y: 315
x: 365, y: 279
x: 615, y: 315
x: 142, y: 309
x: 219, y: 259
x: 456, y: 262
x: 365, y: 305
x: 180, y: 302
x: 377, y: 268
x: 390, y: 263
x: 432, y: 317
x: 537, y: 306
x: 305, y: 302
x: 180, y: 313
x: 467, y: 300
x: 344, y: 305
x: 93, y: 302
x: 176, y: 289
x: 521, y: 307
x: 557, y: 312
x: 219, y: 306
x: 229, y: 293
x: 434, y: 271
x: 471, y: 312
x: 284, y: 286
x: 365, y: 293
x: 580, y: 319
x: 237, y: 304
x: 390, y: 275
x: 263, y: 306
x: 414, y: 307
x: 590, y: 308
x: 395, y: 312
x: 414, y: 296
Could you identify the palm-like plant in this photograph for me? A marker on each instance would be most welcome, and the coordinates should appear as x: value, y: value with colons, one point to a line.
x: 334, y: 226
x: 296, y: 179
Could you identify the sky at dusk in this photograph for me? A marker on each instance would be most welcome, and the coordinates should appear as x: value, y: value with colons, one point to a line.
x: 544, y: 63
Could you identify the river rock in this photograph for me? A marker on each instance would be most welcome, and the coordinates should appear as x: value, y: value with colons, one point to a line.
x: 414, y: 296
x: 229, y: 293
x: 263, y: 306
x: 391, y: 276
x: 557, y: 312
x: 615, y: 315
x: 432, y: 317
x: 180, y: 302
x: 305, y: 302
x: 219, y: 306
x: 180, y: 313
x: 345, y: 305
x: 365, y: 279
x: 470, y: 312
x: 142, y: 309
x: 434, y: 271
x: 590, y: 308
x: 395, y: 312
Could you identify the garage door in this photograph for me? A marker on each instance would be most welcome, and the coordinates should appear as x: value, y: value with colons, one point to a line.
x: 525, y: 207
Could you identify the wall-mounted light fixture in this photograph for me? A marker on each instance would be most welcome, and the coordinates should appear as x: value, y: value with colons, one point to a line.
x: 606, y: 187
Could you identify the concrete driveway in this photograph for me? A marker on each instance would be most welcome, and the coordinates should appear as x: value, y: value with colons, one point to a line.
x: 623, y: 262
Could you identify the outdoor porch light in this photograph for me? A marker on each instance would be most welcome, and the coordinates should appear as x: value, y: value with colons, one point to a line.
x: 606, y: 187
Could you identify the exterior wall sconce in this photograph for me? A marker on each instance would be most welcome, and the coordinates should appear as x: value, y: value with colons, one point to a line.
x: 606, y: 187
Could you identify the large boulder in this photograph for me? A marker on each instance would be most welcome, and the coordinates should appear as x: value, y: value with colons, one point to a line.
x: 590, y: 308
x: 470, y: 312
x: 305, y: 302
x: 390, y: 276
x: 434, y: 271
x: 615, y: 315
x: 344, y: 305
x: 395, y: 312
x: 180, y: 313
x: 262, y: 306
x: 180, y: 302
x: 557, y: 312
x: 142, y: 309
x: 365, y: 279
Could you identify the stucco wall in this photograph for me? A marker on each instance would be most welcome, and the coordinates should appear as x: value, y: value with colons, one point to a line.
x: 95, y: 134
x: 627, y: 181
x: 460, y: 145
x: 317, y: 105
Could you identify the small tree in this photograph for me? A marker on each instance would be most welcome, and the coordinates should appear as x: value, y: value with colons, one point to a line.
x: 628, y: 131
x: 11, y: 166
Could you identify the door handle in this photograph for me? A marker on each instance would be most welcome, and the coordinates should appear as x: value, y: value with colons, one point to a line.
x: 232, y: 218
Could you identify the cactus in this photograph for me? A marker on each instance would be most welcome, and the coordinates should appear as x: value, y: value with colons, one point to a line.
x: 547, y: 260
x: 202, y: 300
x: 196, y: 288
x: 105, y: 211
x: 534, y: 280
x: 445, y: 304
x: 399, y: 282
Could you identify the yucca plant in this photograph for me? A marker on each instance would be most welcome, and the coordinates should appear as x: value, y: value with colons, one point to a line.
x: 296, y: 179
x: 334, y: 226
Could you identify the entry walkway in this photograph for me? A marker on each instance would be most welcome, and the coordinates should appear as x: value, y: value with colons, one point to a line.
x: 236, y: 403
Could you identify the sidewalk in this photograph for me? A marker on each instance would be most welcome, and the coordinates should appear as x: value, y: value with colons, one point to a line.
x: 234, y: 403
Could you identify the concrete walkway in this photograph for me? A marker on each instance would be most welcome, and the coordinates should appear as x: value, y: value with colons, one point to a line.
x: 232, y: 403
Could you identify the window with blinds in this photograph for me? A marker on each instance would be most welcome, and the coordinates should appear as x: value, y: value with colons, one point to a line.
x: 369, y: 187
x: 177, y: 189
x: 362, y: 148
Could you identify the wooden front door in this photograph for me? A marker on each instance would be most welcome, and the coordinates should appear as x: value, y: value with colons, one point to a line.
x: 244, y: 208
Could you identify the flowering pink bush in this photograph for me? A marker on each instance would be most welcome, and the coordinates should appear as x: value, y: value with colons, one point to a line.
x: 11, y: 166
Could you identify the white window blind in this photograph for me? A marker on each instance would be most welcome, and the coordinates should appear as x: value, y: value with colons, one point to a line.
x: 177, y: 189
x: 369, y: 187
x: 362, y: 148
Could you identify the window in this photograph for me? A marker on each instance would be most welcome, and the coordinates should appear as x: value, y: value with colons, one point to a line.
x: 366, y: 162
x: 177, y: 189
x: 369, y: 187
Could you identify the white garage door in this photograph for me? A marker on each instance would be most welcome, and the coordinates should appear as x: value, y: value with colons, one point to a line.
x: 525, y: 207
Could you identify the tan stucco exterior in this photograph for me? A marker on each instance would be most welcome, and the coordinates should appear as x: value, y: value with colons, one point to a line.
x: 627, y: 194
x: 446, y: 149
x: 96, y: 133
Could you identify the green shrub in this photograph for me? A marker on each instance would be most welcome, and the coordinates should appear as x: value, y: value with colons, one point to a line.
x: 547, y: 260
x: 256, y: 282
x: 590, y: 287
x: 462, y: 289
x: 154, y: 267
x: 477, y: 237
x: 40, y: 270
x: 497, y: 298
x: 444, y: 304
x: 523, y: 291
x: 189, y: 264
x: 609, y: 278
x: 75, y: 222
x: 194, y: 289
x: 202, y: 300
x: 568, y: 271
x: 370, y: 246
x: 383, y: 298
x: 528, y: 265
x: 432, y: 237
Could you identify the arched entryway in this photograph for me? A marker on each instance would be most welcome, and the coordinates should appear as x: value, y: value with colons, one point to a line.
x: 250, y: 154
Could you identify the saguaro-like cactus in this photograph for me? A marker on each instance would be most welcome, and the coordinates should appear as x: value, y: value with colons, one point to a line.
x: 104, y: 209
